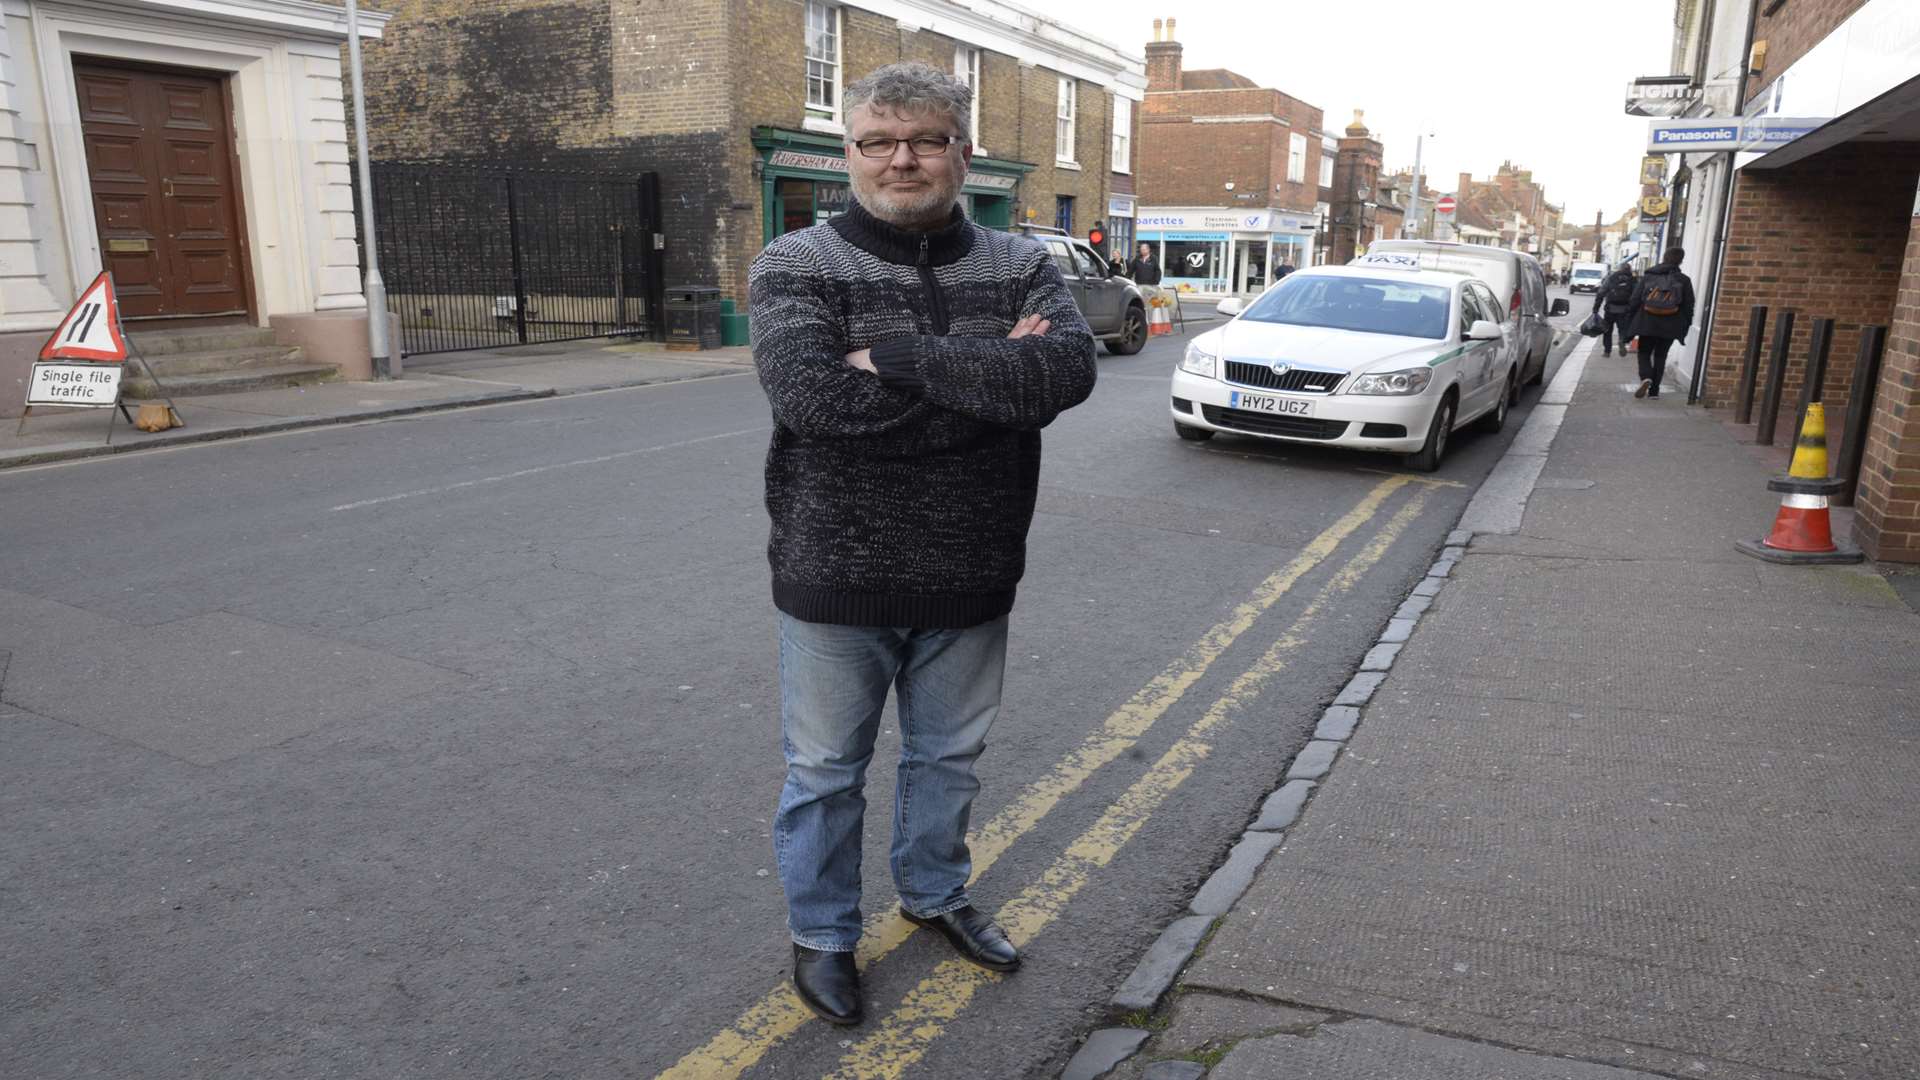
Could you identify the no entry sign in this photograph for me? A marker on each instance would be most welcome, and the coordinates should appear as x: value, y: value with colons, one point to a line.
x: 1445, y: 205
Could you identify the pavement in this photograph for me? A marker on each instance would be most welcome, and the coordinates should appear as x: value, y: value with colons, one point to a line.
x: 427, y: 383
x: 1622, y: 803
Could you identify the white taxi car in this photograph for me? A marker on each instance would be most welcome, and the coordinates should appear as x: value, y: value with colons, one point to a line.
x: 1368, y: 357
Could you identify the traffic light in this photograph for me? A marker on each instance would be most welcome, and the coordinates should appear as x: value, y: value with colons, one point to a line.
x: 1097, y: 235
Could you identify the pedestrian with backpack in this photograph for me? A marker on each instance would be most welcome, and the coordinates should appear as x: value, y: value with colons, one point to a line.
x: 1660, y: 313
x: 1610, y: 302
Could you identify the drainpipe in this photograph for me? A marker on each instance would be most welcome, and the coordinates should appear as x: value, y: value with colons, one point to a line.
x: 385, y: 364
x: 1718, y: 261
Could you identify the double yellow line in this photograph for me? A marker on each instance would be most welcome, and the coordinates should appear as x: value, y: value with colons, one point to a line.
x: 903, y: 1035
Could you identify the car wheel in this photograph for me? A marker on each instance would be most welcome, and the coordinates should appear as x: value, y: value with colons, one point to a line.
x: 1491, y: 422
x: 1192, y: 434
x: 1133, y: 333
x: 1428, y: 457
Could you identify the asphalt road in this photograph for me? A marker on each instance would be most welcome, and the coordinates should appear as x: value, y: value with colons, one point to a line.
x: 447, y: 746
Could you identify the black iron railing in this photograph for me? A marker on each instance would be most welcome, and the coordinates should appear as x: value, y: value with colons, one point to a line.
x: 476, y: 256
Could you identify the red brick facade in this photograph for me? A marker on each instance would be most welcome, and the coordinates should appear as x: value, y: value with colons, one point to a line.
x: 1794, y: 27
x: 1887, y: 522
x: 1202, y: 130
x: 1825, y: 237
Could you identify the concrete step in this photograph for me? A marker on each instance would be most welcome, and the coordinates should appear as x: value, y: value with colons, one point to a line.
x: 204, y: 363
x: 193, y: 339
x: 238, y: 380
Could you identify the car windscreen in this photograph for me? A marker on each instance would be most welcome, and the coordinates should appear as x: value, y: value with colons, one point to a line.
x: 1368, y: 305
x: 1586, y: 273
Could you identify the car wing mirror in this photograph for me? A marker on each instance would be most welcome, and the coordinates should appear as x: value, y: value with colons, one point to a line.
x: 1485, y: 330
x: 1230, y: 306
x: 1559, y: 306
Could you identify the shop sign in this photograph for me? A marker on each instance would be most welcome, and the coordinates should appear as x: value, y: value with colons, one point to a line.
x: 991, y: 180
x: 1653, y: 206
x: 1759, y: 133
x: 795, y: 159
x: 1653, y: 169
x: 1184, y: 235
x: 1661, y: 95
x: 1246, y: 220
x: 1119, y: 206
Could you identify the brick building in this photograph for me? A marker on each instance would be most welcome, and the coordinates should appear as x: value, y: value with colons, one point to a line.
x: 1827, y: 225
x: 736, y: 103
x: 1356, y: 220
x: 1231, y: 174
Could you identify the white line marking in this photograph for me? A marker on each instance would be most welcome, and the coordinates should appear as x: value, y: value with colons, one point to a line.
x: 1501, y: 502
x: 517, y: 473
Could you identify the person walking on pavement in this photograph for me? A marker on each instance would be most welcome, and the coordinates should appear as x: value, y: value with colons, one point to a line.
x: 1144, y: 269
x: 1660, y: 313
x: 1610, y: 302
x: 911, y: 358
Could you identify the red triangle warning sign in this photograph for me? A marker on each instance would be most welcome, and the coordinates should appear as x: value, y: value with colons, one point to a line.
x: 91, y: 331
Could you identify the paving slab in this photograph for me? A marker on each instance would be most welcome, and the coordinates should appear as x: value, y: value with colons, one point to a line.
x: 1370, y: 1050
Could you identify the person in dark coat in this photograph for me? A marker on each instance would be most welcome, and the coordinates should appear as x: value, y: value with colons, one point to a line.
x: 1144, y: 269
x: 1610, y: 302
x: 1660, y: 313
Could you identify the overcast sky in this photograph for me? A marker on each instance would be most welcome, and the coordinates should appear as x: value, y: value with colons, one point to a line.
x: 1537, y: 82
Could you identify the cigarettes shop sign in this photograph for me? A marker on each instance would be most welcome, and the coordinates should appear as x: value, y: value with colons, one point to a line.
x: 89, y: 386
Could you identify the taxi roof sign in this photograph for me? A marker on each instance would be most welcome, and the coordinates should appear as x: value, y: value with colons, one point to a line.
x: 91, y: 330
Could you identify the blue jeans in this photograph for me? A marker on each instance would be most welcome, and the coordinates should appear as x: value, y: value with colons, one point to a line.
x: 833, y: 686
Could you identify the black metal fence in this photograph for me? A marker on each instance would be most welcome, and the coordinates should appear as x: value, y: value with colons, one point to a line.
x: 476, y: 256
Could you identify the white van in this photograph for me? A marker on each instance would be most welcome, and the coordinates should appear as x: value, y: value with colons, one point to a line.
x: 1518, y: 284
x: 1587, y: 277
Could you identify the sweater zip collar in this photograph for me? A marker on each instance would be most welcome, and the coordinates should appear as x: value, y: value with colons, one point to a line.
x: 937, y: 247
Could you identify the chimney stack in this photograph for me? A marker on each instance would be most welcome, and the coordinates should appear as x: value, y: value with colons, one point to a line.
x: 1163, y: 58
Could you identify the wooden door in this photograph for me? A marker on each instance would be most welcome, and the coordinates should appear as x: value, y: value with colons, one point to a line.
x: 160, y: 161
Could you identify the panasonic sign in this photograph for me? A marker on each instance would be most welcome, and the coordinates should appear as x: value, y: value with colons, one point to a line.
x: 1760, y: 134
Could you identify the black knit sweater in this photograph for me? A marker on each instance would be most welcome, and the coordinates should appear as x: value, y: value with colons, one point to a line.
x: 903, y: 499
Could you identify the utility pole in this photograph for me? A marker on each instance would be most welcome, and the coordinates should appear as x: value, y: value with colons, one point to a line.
x: 1597, y: 256
x: 385, y: 365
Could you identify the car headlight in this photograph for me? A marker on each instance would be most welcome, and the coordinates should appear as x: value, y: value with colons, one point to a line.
x: 1198, y: 361
x: 1401, y: 383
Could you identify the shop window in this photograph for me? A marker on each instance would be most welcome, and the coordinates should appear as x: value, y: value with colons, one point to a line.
x: 1122, y: 134
x: 1063, y: 214
x: 966, y: 68
x: 1065, y: 108
x: 823, y: 65
x: 1297, y: 158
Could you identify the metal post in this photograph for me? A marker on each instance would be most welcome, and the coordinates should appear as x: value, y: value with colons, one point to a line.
x: 519, y: 271
x: 1750, y: 373
x: 385, y: 364
x: 1853, y: 441
x: 1413, y: 208
x: 1816, y: 373
x: 1776, y: 379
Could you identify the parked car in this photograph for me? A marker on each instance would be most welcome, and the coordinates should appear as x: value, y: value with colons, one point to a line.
x: 1587, y: 277
x: 1370, y: 357
x: 1114, y: 307
x: 1516, y: 279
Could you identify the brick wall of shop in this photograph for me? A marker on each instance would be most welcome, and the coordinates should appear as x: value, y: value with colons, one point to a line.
x: 1797, y: 25
x: 1887, y: 519
x: 1188, y: 163
x: 611, y: 86
x: 1825, y: 237
x: 1017, y: 108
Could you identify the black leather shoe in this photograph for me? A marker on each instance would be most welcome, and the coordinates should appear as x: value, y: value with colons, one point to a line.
x: 973, y: 935
x: 828, y: 984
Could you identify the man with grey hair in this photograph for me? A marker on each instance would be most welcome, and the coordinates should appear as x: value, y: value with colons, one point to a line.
x: 911, y: 358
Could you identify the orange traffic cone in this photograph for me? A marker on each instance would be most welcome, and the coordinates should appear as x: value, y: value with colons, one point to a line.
x: 1802, y: 531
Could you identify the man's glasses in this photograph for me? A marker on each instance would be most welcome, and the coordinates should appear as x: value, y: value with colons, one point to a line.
x: 921, y: 145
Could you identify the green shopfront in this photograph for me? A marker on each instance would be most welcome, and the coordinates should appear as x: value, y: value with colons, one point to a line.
x: 803, y: 181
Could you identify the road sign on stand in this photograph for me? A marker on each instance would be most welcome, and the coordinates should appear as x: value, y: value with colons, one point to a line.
x: 91, y: 331
x: 80, y: 365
